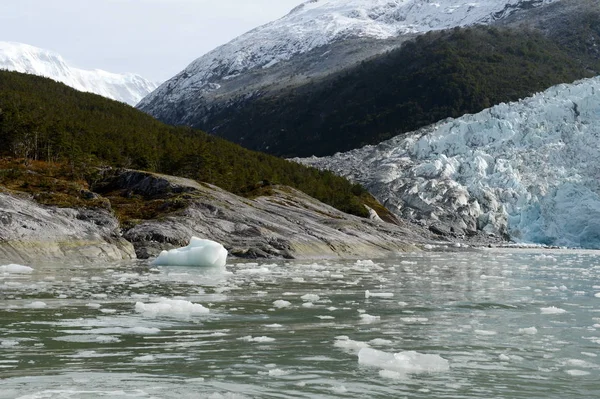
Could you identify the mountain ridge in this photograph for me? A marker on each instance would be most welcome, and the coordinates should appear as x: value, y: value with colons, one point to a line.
x: 127, y: 88
x: 312, y: 25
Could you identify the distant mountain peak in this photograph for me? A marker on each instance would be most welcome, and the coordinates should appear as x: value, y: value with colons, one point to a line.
x: 20, y: 57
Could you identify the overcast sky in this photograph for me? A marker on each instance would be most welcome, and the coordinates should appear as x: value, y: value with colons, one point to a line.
x: 154, y: 38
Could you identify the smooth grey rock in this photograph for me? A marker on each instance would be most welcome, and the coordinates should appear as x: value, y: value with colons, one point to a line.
x: 287, y: 224
x: 32, y: 232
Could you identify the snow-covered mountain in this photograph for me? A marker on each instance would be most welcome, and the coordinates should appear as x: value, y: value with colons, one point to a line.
x: 128, y: 88
x: 527, y: 169
x: 315, y: 24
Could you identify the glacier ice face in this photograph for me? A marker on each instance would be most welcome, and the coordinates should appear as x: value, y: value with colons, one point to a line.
x: 527, y: 169
x: 128, y: 88
x: 317, y: 23
x: 199, y: 252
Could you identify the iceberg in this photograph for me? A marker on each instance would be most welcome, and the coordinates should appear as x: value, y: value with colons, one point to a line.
x: 199, y: 252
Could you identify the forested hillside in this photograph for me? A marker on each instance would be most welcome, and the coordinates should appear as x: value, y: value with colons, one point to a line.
x: 438, y: 75
x: 44, y: 120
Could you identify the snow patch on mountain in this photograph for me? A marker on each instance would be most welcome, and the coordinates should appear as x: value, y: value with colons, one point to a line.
x: 318, y: 23
x: 127, y: 88
x: 528, y: 169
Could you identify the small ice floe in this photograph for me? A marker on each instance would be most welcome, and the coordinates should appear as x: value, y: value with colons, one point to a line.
x: 199, y: 252
x: 278, y: 372
x: 344, y: 342
x: 144, y: 359
x: 403, y: 362
x: 552, y: 310
x: 310, y: 298
x: 380, y: 342
x: 280, y: 304
x: 175, y: 308
x: 597, y: 295
x: 369, y: 294
x: 36, y: 305
x: 15, y: 269
x: 262, y: 340
x: 368, y: 319
x: 577, y: 373
x: 367, y: 262
x: 528, y: 331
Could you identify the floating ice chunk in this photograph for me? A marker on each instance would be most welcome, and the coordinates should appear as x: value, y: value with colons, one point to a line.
x: 504, y: 358
x: 414, y: 319
x: 277, y: 372
x: 15, y: 269
x: 485, y: 332
x: 380, y: 342
x: 345, y: 342
x: 36, y: 305
x: 280, y: 303
x: 144, y: 359
x: 369, y: 294
x: 199, y: 252
x: 367, y: 262
x: 367, y: 318
x: 263, y: 339
x: 394, y: 375
x: 259, y: 270
x: 577, y: 373
x: 308, y: 305
x: 404, y: 362
x: 552, y: 310
x: 310, y: 298
x: 175, y: 308
x: 597, y: 295
x: 528, y: 330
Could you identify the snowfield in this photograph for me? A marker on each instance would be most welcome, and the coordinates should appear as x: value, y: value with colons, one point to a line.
x: 528, y: 169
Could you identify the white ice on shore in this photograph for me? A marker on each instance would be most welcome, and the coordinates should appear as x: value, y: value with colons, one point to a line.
x: 199, y: 252
x: 403, y: 362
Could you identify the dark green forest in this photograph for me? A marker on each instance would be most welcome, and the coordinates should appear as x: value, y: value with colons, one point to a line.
x: 42, y: 120
x: 436, y: 76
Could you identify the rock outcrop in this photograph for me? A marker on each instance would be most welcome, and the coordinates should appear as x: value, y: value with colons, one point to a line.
x: 286, y: 223
x: 282, y: 223
x: 32, y: 232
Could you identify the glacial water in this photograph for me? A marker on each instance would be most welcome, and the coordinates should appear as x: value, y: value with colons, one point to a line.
x: 490, y: 324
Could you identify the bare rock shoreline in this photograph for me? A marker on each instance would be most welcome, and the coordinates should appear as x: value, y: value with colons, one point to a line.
x: 286, y: 223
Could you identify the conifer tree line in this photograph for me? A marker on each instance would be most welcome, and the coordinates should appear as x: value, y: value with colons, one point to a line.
x: 41, y: 119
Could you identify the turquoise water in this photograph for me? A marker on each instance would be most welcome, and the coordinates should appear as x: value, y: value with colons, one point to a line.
x: 495, y: 324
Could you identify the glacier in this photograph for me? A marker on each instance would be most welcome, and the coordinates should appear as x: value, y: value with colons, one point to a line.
x: 127, y: 88
x: 317, y: 23
x: 526, y: 170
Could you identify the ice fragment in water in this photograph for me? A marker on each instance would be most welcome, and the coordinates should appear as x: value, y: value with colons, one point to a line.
x: 15, y: 269
x: 199, y: 252
x: 553, y: 310
x: 369, y: 294
x: 407, y: 362
x: 175, y: 308
x: 280, y: 303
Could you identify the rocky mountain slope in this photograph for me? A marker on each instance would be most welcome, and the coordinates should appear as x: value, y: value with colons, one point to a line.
x: 526, y: 170
x: 128, y: 88
x: 317, y: 38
